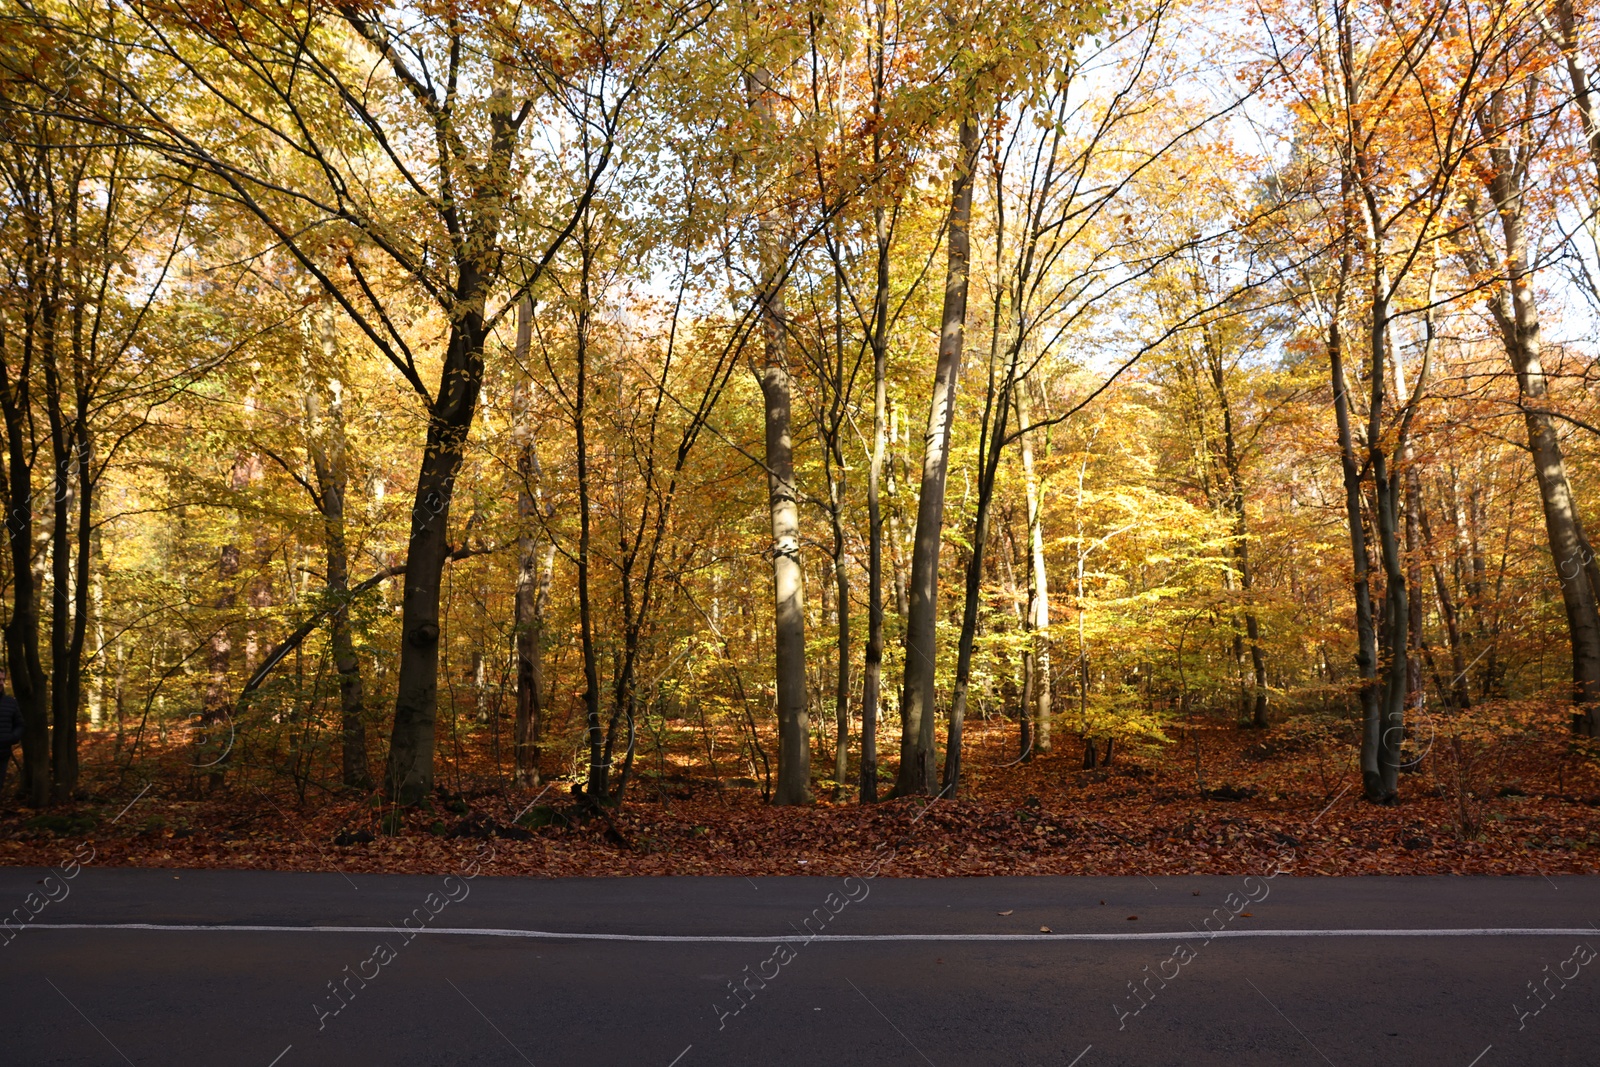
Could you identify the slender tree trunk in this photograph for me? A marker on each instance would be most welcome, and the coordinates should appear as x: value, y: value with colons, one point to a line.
x: 102, y: 680
x: 63, y: 693
x: 1517, y: 316
x: 535, y: 564
x: 1366, y: 630
x: 788, y: 579
x: 896, y: 477
x: 1414, y: 554
x: 788, y: 583
x: 598, y: 788
x: 872, y: 667
x: 326, y: 441
x: 25, y: 668
x: 1039, y: 581
x: 1457, y: 689
x: 83, y: 457
x: 917, y: 700
x: 212, y: 742
x: 1388, y: 519
x: 841, y: 577
x: 1256, y: 707
x: 997, y: 405
x: 1018, y: 607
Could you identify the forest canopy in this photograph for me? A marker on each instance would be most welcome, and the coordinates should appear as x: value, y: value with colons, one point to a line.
x: 400, y: 394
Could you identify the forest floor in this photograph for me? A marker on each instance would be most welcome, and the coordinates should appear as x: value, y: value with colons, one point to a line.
x: 1219, y: 800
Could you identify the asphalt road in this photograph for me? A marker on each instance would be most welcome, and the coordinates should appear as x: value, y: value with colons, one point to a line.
x: 280, y: 970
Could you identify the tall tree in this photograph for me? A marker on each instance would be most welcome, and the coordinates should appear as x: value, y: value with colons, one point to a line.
x: 536, y: 555
x: 917, y: 764
x: 783, y: 505
x: 443, y: 127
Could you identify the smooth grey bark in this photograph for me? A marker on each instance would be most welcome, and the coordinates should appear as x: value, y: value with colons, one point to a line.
x: 1570, y: 28
x: 1416, y: 646
x: 788, y: 580
x: 597, y: 789
x: 873, y: 660
x: 917, y: 770
x: 535, y: 567
x: 1517, y: 317
x: 991, y: 445
x: 872, y: 666
x: 788, y: 583
x: 1038, y: 582
x: 897, y: 475
x: 1361, y: 581
x: 841, y: 577
x: 325, y: 441
x: 1386, y: 486
x: 211, y: 752
x: 1019, y: 609
x: 1458, y: 689
x: 1255, y: 710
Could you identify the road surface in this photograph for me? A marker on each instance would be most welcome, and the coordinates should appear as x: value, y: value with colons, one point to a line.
x: 117, y: 966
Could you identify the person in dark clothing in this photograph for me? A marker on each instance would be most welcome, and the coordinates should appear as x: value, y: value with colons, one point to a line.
x: 10, y: 730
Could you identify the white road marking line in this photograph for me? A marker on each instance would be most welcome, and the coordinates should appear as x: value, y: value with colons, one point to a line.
x: 743, y: 939
x: 1480, y: 1056
x: 280, y: 1056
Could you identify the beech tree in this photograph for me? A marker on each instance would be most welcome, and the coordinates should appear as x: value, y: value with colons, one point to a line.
x: 442, y: 127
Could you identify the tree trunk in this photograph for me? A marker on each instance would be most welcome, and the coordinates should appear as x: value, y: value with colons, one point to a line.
x: 1016, y: 600
x: 64, y: 693
x: 788, y: 585
x: 1366, y: 630
x: 841, y: 577
x: 872, y: 666
x: 1518, y: 319
x: 325, y: 441
x: 917, y: 700
x: 212, y: 742
x: 1387, y: 518
x: 24, y: 666
x: 1038, y: 584
x: 535, y: 565
x: 1414, y: 553
x: 991, y: 445
x: 788, y: 581
x: 1457, y: 689
x: 408, y: 777
x: 598, y: 787
x: 896, y: 477
x: 1256, y: 707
